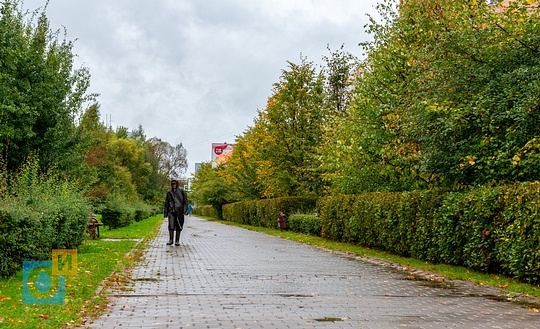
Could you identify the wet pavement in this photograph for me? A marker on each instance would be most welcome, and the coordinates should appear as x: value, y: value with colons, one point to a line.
x: 228, y: 277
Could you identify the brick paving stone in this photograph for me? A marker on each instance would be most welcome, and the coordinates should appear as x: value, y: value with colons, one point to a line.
x: 227, y: 277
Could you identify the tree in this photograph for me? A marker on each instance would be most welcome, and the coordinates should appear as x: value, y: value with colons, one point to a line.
x: 291, y: 129
x: 340, y: 71
x: 474, y: 103
x: 138, y: 134
x: 446, y: 97
x: 277, y: 156
x: 487, y: 109
x: 370, y: 149
x: 129, y: 156
x: 172, y: 159
x: 118, y: 165
x: 153, y: 186
x: 40, y: 92
x: 211, y: 188
x: 280, y: 154
x: 243, y: 168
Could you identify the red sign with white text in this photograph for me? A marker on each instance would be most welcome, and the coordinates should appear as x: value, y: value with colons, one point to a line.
x: 219, y: 149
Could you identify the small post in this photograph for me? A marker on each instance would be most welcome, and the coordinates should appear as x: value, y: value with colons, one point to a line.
x: 282, y: 221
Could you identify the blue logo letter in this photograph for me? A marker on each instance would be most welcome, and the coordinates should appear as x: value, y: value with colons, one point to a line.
x: 38, y: 282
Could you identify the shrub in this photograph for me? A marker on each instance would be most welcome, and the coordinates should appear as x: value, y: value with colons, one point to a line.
x: 333, y: 212
x: 418, y: 211
x: 143, y: 211
x: 401, y: 223
x: 265, y: 212
x: 38, y: 214
x: 119, y: 212
x: 207, y: 211
x: 464, y: 229
x: 517, y: 231
x: 304, y: 223
x: 491, y: 229
x: 244, y: 212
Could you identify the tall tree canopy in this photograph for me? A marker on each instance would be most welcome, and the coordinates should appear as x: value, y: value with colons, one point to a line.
x: 41, y: 94
x: 448, y: 96
x: 280, y: 155
x: 286, y: 135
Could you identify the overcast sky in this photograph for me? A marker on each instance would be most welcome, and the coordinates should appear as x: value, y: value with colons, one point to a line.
x: 196, y: 71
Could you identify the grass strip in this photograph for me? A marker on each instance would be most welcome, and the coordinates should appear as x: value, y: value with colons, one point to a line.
x: 101, y: 263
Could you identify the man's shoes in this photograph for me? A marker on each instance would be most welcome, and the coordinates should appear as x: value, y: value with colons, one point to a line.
x: 177, y: 244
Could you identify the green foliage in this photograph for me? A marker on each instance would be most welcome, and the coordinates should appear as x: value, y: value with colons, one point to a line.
x: 493, y: 230
x: 265, y: 212
x: 476, y: 132
x: 242, y: 169
x: 387, y: 221
x: 293, y: 123
x: 130, y: 154
x: 464, y: 229
x: 211, y: 188
x: 304, y: 223
x: 40, y: 93
x: 38, y: 214
x: 207, y: 211
x: 280, y: 154
x: 448, y: 96
x: 517, y: 233
x: 41, y: 98
x: 370, y: 149
x: 277, y: 156
x: 127, y: 165
x: 121, y: 212
x: 340, y: 68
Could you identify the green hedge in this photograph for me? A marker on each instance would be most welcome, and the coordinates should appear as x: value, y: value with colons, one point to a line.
x: 464, y: 229
x: 386, y: 221
x: 47, y: 216
x: 265, y: 212
x: 118, y: 213
x: 304, y: 223
x: 207, y: 211
x: 494, y: 230
x: 517, y: 231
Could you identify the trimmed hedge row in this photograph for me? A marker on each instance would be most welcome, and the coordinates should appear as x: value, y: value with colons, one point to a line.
x: 207, y: 211
x: 304, y: 223
x: 495, y: 230
x: 265, y: 212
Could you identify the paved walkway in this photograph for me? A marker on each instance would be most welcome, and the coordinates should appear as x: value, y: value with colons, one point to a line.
x: 228, y: 277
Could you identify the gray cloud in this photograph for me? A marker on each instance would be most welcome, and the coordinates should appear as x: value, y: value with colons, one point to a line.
x: 196, y: 71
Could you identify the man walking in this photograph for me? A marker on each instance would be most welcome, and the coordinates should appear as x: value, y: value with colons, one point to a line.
x: 175, y: 206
